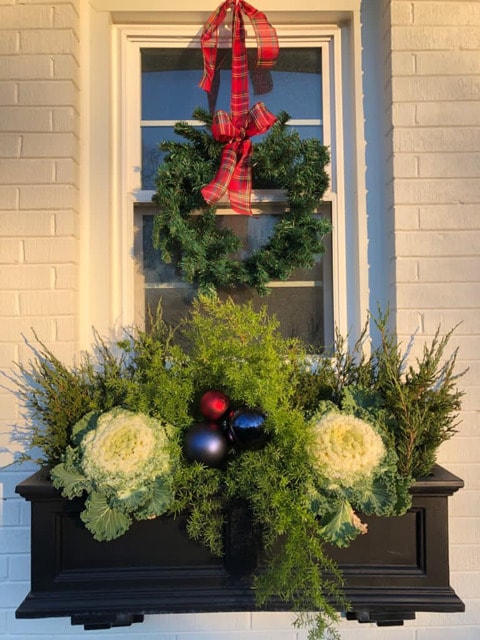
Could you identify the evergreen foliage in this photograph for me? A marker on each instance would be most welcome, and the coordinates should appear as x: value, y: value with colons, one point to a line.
x: 185, y: 228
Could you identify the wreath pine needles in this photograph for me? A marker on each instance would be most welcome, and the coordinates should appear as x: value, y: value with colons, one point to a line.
x: 185, y: 228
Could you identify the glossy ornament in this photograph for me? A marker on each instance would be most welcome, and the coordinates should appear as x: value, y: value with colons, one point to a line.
x: 207, y: 443
x: 246, y: 428
x: 214, y: 404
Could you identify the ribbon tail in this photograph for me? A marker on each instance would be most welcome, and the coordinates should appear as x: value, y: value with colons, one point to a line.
x: 213, y: 191
x: 240, y: 187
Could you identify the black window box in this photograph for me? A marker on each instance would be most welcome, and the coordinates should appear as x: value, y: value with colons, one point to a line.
x: 401, y: 566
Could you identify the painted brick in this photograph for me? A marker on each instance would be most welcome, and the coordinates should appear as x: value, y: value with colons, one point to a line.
x: 9, y: 409
x: 465, y: 531
x: 8, y: 42
x: 8, y: 93
x: 10, y: 250
x: 51, y: 250
x: 12, y: 593
x: 26, y: 223
x: 10, y: 514
x: 19, y: 567
x: 432, y: 191
x: 438, y: 38
x: 50, y: 145
x: 403, y: 115
x: 460, y: 449
x: 448, y: 140
x: 51, y: 92
x: 8, y: 303
x: 10, y: 146
x: 25, y: 17
x: 448, y: 269
x: 65, y: 66
x: 431, y: 89
x: 24, y: 171
x: 25, y: 118
x: 447, y: 632
x: 401, y: 13
x: 464, y: 503
x: 446, y: 63
x: 66, y: 223
x: 406, y: 270
x: 46, y: 303
x: 465, y: 583
x: 67, y: 171
x: 25, y: 67
x: 3, y: 567
x: 64, y: 351
x: 52, y: 41
x: 14, y: 328
x: 65, y: 119
x: 405, y: 165
x: 459, y: 216
x: 403, y: 63
x: 66, y: 328
x: 430, y: 296
x: 65, y: 16
x: 25, y: 277
x: 449, y: 14
x: 8, y: 352
x: 8, y: 197
x: 48, y: 197
x: 466, y: 165
x: 406, y: 217
x: 66, y: 277
x: 448, y: 113
x: 14, y: 540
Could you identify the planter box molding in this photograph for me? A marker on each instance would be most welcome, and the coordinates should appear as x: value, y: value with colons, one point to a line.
x: 401, y: 566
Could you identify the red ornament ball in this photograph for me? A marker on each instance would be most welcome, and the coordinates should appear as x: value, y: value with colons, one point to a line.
x: 214, y: 404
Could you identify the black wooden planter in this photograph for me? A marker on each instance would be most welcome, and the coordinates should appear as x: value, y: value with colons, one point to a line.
x: 400, y: 567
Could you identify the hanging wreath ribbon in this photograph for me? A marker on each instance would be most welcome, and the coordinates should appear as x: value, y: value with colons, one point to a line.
x: 235, y: 130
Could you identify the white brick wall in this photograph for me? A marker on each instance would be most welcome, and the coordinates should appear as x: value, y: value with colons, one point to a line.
x: 432, y: 95
x: 39, y: 113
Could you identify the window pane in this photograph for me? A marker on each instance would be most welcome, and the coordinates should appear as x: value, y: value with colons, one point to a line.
x: 170, y: 80
x: 170, y: 93
x: 303, y: 305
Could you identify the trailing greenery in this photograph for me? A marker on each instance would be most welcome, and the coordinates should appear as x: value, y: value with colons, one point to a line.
x: 345, y: 436
x: 185, y: 228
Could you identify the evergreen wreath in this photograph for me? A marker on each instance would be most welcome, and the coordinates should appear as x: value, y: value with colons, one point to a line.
x: 185, y: 227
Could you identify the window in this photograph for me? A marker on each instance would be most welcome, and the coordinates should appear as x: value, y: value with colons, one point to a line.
x: 163, y: 68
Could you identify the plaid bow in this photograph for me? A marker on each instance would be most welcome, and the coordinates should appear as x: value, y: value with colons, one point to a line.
x: 235, y: 172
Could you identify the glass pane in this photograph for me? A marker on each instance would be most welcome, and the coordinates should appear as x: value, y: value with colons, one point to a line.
x: 303, y: 305
x: 170, y: 80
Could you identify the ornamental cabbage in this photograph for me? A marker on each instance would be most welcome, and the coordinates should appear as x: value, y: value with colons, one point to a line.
x: 356, y: 469
x: 347, y: 449
x: 123, y: 461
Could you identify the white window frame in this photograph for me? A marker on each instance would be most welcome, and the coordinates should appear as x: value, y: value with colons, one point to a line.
x: 350, y: 297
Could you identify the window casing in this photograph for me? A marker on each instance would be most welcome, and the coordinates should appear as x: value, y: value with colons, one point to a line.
x: 329, y: 276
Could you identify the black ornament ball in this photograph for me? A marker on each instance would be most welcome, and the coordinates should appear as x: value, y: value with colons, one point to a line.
x: 246, y: 428
x: 205, y: 442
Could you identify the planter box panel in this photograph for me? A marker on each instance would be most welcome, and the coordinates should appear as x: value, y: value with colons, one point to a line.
x: 399, y: 567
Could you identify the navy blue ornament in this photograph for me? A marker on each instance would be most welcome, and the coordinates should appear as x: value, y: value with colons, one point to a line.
x: 207, y: 443
x: 246, y: 428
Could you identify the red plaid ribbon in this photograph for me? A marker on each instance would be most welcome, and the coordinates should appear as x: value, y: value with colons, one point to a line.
x: 235, y: 172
